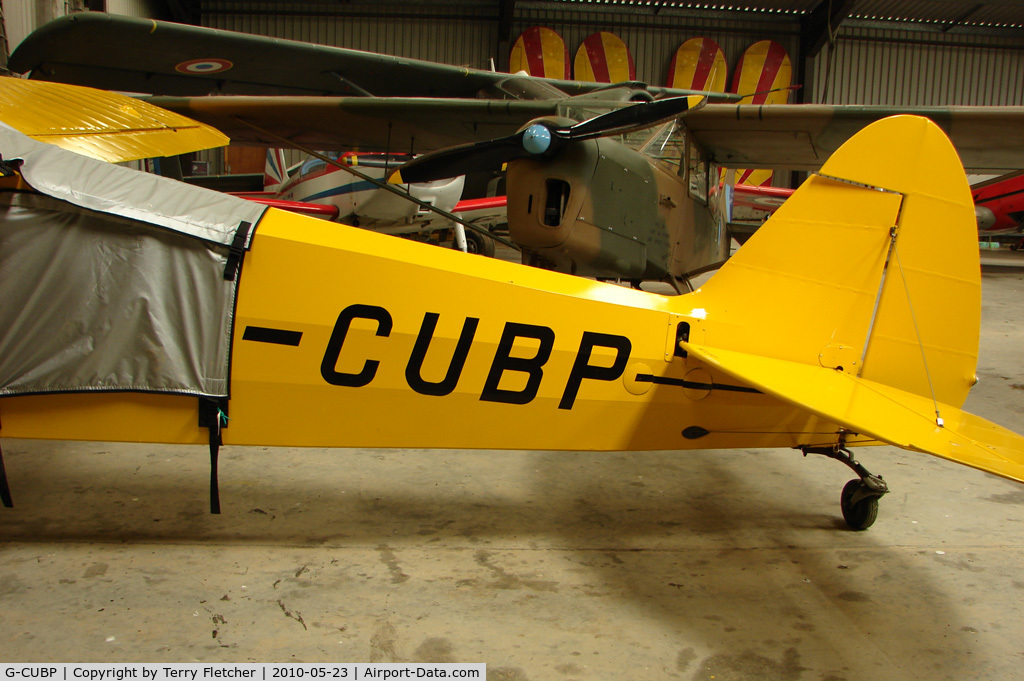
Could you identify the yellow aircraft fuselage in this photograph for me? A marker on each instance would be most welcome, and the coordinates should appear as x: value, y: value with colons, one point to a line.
x: 446, y: 350
x: 831, y: 326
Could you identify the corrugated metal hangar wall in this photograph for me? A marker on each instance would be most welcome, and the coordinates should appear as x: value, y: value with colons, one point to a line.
x: 872, y: 65
x: 868, y: 62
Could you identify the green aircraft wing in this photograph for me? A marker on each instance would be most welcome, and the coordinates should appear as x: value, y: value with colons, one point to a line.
x: 397, y: 124
x: 784, y: 136
x: 143, y: 55
x: 290, y: 93
x: 803, y: 136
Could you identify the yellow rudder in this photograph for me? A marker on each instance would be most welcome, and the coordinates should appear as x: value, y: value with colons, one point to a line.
x: 864, y: 268
x: 860, y: 301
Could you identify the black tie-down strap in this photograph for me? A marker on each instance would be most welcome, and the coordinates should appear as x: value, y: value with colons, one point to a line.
x: 213, y: 414
x: 5, y: 491
x: 10, y: 167
x: 239, y: 245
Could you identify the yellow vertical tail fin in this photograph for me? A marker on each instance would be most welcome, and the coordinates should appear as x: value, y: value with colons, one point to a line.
x: 860, y: 300
x: 864, y: 268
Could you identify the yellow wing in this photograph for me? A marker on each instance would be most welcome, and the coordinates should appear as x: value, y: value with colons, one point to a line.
x: 99, y: 124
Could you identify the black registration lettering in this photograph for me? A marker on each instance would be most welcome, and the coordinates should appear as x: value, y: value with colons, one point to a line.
x: 582, y: 368
x: 330, y: 362
x: 532, y: 366
x: 419, y: 352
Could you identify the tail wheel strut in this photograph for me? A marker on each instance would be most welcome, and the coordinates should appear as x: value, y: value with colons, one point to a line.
x: 859, y: 499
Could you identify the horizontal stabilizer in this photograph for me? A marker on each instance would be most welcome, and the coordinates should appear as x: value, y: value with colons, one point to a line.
x: 882, y: 412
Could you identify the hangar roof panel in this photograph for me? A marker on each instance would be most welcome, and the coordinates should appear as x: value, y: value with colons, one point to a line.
x: 993, y: 13
x: 968, y: 13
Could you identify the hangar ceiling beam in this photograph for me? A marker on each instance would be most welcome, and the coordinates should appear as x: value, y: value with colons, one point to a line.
x: 820, y: 23
x: 962, y: 17
x: 184, y: 11
x: 506, y: 14
x: 816, y: 29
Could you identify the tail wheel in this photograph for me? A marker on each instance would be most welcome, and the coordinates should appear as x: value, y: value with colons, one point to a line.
x: 859, y: 504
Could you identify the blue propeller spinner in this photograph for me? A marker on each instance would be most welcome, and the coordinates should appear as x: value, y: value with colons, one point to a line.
x: 537, y: 139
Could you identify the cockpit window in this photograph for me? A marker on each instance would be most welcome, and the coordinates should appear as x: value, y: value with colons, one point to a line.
x: 666, y: 144
x: 697, y: 174
x: 314, y: 164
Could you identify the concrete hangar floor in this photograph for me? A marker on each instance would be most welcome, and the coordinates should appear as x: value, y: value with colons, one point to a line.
x: 723, y: 564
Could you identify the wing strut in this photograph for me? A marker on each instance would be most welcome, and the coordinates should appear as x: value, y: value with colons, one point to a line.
x: 350, y: 85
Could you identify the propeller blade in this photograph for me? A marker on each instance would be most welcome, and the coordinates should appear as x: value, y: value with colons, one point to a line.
x: 627, y: 119
x: 536, y: 140
x: 468, y: 158
x: 539, y: 140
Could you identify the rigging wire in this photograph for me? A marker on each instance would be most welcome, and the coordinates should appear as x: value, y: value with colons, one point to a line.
x: 917, y: 332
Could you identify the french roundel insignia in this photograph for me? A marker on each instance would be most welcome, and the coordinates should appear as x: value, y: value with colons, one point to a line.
x: 203, y: 66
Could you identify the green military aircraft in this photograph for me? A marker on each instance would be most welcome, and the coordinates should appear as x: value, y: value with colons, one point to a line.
x: 649, y: 205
